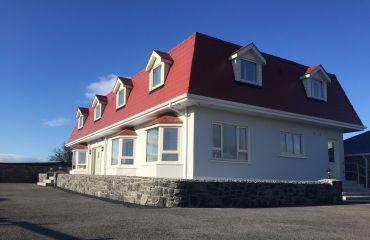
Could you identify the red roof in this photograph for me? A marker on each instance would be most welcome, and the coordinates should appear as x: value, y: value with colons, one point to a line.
x: 80, y: 147
x: 164, y: 119
x: 201, y: 66
x: 126, y: 132
x: 311, y: 69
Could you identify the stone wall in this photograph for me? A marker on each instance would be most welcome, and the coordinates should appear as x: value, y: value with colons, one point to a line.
x: 25, y: 172
x: 203, y: 193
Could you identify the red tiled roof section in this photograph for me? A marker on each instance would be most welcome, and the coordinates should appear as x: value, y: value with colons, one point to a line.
x: 212, y: 76
x: 80, y: 147
x: 126, y: 132
x: 84, y: 111
x: 102, y: 99
x: 169, y: 119
x: 126, y: 81
x: 311, y: 69
x: 164, y: 55
x: 140, y: 99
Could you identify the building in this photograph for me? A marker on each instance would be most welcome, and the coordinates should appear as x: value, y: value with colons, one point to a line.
x: 357, y: 159
x: 213, y: 109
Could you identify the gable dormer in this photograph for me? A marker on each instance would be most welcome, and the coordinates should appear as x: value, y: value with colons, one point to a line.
x: 81, y: 116
x: 122, y: 89
x: 247, y: 64
x: 158, y: 66
x: 98, y: 104
x: 315, y: 81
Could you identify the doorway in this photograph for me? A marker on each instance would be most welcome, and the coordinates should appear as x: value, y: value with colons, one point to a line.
x: 97, y: 160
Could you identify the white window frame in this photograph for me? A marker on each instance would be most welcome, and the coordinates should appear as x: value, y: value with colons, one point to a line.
x: 120, y: 150
x: 117, y: 97
x: 80, y: 123
x: 78, y: 166
x: 101, y: 108
x: 238, y: 150
x: 238, y: 70
x: 151, y: 78
x: 160, y: 144
x: 293, y: 155
x: 324, y: 89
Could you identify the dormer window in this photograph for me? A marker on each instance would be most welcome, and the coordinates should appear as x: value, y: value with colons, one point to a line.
x: 98, y: 105
x: 247, y: 65
x: 81, y: 115
x: 80, y: 122
x: 97, y: 110
x: 158, y: 67
x: 315, y: 82
x: 122, y: 89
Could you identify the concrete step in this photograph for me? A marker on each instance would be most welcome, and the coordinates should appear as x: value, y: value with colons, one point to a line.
x: 48, y: 181
x: 44, y: 184
x: 356, y: 199
x: 51, y: 178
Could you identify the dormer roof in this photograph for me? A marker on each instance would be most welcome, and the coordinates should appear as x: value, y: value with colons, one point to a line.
x: 99, y: 99
x: 318, y: 70
x: 126, y: 82
x: 251, y: 47
x: 82, y: 111
x: 162, y: 56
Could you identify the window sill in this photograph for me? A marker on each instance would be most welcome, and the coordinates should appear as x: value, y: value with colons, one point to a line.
x: 231, y: 161
x: 121, y: 167
x: 257, y: 84
x: 317, y: 98
x: 293, y: 156
x: 162, y: 163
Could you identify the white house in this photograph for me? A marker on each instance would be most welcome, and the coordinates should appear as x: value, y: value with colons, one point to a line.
x: 213, y: 109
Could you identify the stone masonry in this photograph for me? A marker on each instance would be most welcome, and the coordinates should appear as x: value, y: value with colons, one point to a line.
x: 204, y: 193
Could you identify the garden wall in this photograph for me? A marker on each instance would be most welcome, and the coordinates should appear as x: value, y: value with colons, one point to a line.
x: 204, y: 193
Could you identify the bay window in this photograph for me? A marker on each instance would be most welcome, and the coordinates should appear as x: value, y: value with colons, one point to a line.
x: 79, y: 160
x: 162, y: 144
x: 122, y: 151
x: 230, y: 142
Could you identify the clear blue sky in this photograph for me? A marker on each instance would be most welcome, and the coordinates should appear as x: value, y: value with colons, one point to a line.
x: 51, y: 52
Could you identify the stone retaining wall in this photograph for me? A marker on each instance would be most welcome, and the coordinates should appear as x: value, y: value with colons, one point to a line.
x: 203, y: 193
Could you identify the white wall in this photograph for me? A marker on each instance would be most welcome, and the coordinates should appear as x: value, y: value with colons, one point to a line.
x: 266, y: 161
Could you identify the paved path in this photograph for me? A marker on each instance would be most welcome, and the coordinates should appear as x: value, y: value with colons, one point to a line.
x: 31, y: 212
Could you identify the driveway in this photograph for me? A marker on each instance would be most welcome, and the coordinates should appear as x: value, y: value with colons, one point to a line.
x: 31, y: 212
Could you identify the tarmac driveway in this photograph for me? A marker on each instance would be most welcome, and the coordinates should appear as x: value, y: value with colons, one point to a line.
x: 31, y: 212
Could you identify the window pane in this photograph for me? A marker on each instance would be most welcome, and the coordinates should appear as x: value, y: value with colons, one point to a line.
x: 82, y: 158
x: 242, y: 156
x: 170, y: 157
x: 283, y: 144
x: 121, y: 97
x: 289, y: 141
x: 331, y: 151
x: 157, y: 76
x: 170, y: 139
x: 317, y: 88
x: 216, y: 154
x: 115, y: 146
x: 248, y: 70
x: 216, y: 133
x: 97, y: 111
x: 243, y: 144
x: 152, y: 145
x: 80, y: 121
x: 127, y: 147
x: 127, y: 161
x: 297, y: 144
x: 229, y: 142
x: 74, y: 157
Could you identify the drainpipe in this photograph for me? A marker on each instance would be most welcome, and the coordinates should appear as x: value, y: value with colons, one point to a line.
x: 170, y: 106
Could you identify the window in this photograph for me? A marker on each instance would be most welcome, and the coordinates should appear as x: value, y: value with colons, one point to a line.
x: 157, y: 77
x: 80, y: 121
x: 121, y: 98
x: 79, y: 160
x: 97, y: 114
x: 291, y: 144
x: 248, y: 71
x: 331, y: 151
x: 162, y: 144
x: 122, y: 151
x: 229, y: 142
x: 317, y: 89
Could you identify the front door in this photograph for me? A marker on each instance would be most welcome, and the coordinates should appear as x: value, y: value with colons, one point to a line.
x: 97, y: 156
x: 333, y: 159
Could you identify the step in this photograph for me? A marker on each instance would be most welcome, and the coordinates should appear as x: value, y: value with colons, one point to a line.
x: 51, y: 178
x: 48, y: 181
x: 44, y: 184
x: 356, y: 198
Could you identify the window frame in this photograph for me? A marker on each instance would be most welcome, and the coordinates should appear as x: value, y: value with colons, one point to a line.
x: 76, y: 153
x: 120, y: 151
x: 333, y: 149
x: 101, y: 108
x: 118, y: 106
x: 151, y: 76
x: 160, y: 153
x: 302, y: 153
x: 258, y: 81
x: 80, y: 123
x: 310, y: 90
x: 238, y: 150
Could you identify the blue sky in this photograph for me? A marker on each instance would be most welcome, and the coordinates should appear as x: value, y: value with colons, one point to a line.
x: 55, y: 54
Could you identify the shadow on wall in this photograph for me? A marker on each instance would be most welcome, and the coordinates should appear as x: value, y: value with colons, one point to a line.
x: 42, y: 230
x: 26, y: 172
